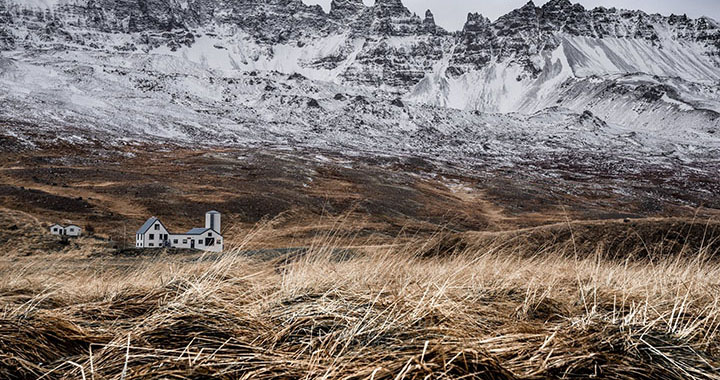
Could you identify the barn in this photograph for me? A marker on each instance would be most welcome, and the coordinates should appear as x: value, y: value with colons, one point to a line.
x: 154, y: 234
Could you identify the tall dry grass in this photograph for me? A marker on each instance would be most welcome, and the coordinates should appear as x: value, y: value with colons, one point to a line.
x: 380, y: 312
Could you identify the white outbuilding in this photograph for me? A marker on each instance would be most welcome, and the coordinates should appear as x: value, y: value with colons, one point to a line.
x: 57, y: 229
x: 71, y: 230
x: 154, y: 234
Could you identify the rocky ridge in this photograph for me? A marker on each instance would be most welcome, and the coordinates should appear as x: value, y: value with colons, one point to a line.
x: 592, y: 88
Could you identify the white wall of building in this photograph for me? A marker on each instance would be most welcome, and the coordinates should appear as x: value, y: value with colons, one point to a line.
x: 207, y: 241
x: 73, y: 230
x: 155, y: 237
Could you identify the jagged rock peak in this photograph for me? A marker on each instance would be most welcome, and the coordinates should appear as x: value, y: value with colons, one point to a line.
x: 343, y: 8
x: 475, y: 22
x: 558, y: 4
x: 529, y: 5
x: 429, y: 17
x: 429, y: 20
x: 521, y: 15
x: 391, y: 8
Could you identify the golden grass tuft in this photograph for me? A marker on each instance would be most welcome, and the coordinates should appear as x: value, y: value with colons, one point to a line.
x: 371, y: 312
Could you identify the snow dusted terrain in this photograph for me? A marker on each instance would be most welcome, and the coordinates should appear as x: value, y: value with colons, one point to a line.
x: 541, y: 84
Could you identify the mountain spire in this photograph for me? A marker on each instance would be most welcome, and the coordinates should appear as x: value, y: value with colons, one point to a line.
x: 344, y: 8
x: 429, y: 20
x: 391, y: 8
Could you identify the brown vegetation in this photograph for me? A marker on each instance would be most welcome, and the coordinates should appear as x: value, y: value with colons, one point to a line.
x: 116, y: 190
x: 437, y: 307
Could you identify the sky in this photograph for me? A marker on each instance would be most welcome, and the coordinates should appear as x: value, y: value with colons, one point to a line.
x: 451, y: 14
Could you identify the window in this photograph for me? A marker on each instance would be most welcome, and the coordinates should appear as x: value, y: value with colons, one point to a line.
x: 151, y: 245
x: 209, y: 234
x: 152, y: 236
x: 157, y: 227
x: 184, y: 241
x: 199, y: 241
x: 175, y: 241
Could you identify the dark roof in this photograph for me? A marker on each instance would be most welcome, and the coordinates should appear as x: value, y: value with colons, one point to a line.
x: 200, y: 231
x: 147, y: 225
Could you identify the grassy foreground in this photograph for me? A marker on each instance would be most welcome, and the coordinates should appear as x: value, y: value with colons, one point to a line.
x: 382, y: 312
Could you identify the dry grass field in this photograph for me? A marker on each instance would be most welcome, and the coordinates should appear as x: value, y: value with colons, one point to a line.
x: 436, y: 307
x: 350, y: 268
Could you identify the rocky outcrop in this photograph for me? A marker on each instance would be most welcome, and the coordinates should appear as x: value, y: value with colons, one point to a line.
x: 346, y: 9
x: 383, y: 45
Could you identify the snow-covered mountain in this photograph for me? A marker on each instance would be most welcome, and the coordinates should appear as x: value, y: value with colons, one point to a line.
x: 553, y: 81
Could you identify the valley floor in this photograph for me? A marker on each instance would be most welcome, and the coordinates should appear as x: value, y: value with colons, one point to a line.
x: 408, y: 310
x: 352, y: 268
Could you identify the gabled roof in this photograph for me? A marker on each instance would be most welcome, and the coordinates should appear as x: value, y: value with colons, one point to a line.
x: 58, y: 225
x: 147, y: 225
x: 73, y: 225
x: 200, y: 231
x: 212, y: 212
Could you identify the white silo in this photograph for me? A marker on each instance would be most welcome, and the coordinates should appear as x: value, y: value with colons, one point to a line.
x: 212, y: 220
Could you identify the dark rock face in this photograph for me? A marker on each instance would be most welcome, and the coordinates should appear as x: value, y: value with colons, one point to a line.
x: 390, y: 8
x: 399, y: 47
x: 475, y: 45
x: 345, y: 9
x: 530, y: 30
x: 429, y: 24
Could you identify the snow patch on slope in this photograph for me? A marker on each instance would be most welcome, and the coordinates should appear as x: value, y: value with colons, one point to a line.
x: 670, y: 58
x: 230, y: 51
x: 43, y: 4
x: 497, y: 87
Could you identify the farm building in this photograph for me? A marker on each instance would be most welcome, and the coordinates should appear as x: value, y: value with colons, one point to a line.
x: 57, y: 229
x: 154, y: 234
x: 71, y: 230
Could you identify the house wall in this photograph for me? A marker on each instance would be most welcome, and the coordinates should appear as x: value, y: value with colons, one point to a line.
x: 183, y: 241
x: 73, y: 231
x: 57, y: 230
x: 218, y: 244
x: 155, y: 237
x: 180, y: 241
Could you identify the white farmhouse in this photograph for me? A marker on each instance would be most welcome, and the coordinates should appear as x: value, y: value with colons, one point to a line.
x: 71, y: 230
x: 154, y: 234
